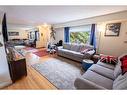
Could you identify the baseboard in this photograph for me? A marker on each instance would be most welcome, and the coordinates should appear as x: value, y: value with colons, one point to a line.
x: 4, y: 84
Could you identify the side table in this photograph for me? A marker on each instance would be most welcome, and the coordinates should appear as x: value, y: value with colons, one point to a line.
x: 86, y: 63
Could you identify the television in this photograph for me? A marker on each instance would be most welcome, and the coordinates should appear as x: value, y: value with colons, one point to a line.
x: 4, y: 28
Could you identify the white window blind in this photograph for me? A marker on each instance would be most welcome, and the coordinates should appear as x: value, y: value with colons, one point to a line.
x: 82, y: 28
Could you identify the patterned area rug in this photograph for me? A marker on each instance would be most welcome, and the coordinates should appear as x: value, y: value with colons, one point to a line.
x: 59, y: 72
x: 41, y: 53
x: 24, y: 49
x: 28, y: 48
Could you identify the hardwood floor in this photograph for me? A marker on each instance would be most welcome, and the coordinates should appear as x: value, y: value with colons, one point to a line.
x: 34, y: 80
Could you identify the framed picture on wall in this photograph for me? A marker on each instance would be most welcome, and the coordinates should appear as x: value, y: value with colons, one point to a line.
x: 112, y: 29
x: 13, y: 33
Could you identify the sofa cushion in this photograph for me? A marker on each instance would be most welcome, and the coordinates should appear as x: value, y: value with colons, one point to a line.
x: 98, y: 79
x: 75, y: 47
x: 117, y: 70
x: 74, y: 53
x: 78, y: 54
x: 110, y: 66
x: 67, y: 46
x: 63, y: 50
x: 120, y: 82
x: 82, y: 83
x: 109, y: 73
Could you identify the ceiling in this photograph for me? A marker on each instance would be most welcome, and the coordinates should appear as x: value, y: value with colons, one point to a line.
x: 36, y: 15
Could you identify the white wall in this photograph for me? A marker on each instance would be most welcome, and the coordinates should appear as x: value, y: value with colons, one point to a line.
x: 113, y: 45
x: 4, y: 70
x: 59, y: 34
x: 44, y: 36
x: 22, y: 34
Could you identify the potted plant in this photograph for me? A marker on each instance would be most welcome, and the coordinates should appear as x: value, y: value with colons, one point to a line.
x: 52, y: 34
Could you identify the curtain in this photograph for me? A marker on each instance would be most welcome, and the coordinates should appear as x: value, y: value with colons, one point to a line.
x: 66, y: 34
x: 92, y: 36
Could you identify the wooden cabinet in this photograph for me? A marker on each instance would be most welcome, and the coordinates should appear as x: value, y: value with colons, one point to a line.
x: 17, y: 65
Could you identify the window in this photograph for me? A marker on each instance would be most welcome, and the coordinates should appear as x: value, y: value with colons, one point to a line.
x: 80, y: 34
x: 79, y: 37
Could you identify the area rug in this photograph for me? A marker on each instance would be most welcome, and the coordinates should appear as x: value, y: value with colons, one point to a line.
x: 25, y: 50
x: 41, y: 53
x: 28, y: 48
x: 59, y: 72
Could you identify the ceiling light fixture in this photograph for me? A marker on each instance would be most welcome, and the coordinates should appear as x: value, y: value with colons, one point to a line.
x: 45, y: 24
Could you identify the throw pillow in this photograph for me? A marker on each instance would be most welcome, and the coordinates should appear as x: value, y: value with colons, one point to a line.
x: 85, y: 51
x: 123, y: 58
x: 124, y: 65
x: 109, y: 59
x: 124, y: 70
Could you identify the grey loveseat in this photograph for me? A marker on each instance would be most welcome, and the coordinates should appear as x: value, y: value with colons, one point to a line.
x: 72, y: 51
x: 102, y: 76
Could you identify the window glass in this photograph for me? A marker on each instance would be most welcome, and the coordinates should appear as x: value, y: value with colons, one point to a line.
x: 80, y: 37
x: 80, y: 34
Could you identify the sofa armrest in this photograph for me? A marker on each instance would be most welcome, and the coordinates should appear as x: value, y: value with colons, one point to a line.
x: 81, y: 83
x: 60, y: 47
x: 89, y: 54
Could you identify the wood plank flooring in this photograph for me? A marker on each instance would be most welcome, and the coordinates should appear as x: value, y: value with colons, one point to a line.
x: 34, y: 80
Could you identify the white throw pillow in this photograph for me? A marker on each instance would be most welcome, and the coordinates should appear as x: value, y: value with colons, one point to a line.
x: 120, y: 82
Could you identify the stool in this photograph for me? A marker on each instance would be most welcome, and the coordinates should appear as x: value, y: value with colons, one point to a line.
x: 86, y: 63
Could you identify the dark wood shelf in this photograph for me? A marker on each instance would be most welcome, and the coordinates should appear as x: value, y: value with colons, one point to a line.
x: 17, y: 65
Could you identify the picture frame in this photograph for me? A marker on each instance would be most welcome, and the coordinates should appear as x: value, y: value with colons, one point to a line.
x: 112, y: 29
x: 13, y: 33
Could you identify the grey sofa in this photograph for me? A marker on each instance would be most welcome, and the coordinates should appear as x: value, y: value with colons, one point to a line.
x: 72, y: 51
x: 102, y: 76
